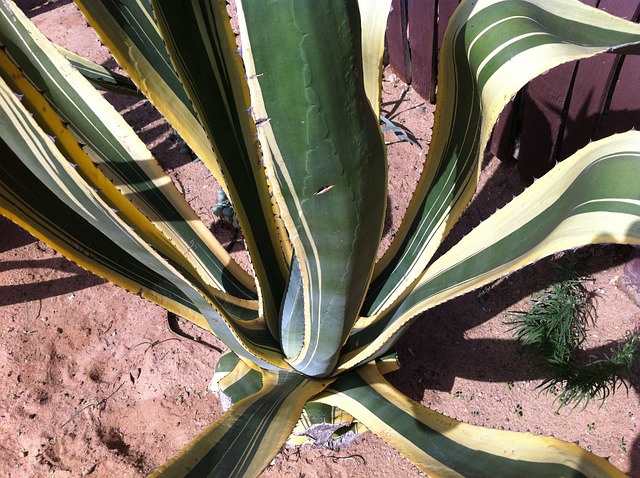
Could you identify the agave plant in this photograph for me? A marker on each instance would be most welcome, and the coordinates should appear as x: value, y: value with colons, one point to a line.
x: 288, y: 123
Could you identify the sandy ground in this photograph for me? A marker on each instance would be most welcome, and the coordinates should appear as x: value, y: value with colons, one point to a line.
x: 98, y: 382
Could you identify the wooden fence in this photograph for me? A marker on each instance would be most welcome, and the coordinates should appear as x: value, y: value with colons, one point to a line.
x: 554, y: 115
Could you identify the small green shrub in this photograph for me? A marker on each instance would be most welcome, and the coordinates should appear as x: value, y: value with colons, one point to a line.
x: 554, y: 330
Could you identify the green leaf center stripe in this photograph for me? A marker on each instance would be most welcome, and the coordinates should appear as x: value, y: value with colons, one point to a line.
x: 254, y: 422
x: 450, y: 452
x: 496, y: 48
x: 123, y: 26
x: 322, y: 155
x: 256, y: 334
x: 202, y: 25
x: 135, y: 23
x: 101, y: 77
x: 292, y: 314
x: 202, y: 48
x: 41, y: 180
x: 44, y: 193
x: 491, y: 39
x: 494, y: 56
x: 452, y: 160
x: 593, y: 190
x: 38, y: 105
x: 246, y: 382
x: 247, y: 437
x: 118, y: 260
x: 328, y: 160
x: 143, y: 272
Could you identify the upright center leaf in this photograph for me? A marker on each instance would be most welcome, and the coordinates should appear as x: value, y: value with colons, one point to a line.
x: 324, y: 148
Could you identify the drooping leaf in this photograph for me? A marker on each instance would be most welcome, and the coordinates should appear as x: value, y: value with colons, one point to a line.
x: 444, y: 447
x: 42, y: 192
x: 246, y: 438
x: 129, y: 31
x: 203, y: 48
x: 99, y: 76
x: 491, y: 49
x: 591, y: 197
x: 111, y: 158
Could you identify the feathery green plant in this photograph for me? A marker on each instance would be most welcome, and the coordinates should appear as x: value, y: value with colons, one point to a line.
x: 557, y: 321
x: 554, y: 329
x: 599, y: 377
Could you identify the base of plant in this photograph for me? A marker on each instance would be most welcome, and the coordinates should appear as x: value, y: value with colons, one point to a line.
x: 335, y: 433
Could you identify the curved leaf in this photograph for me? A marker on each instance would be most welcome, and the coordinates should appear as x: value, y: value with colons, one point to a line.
x: 444, y: 447
x: 235, y: 379
x: 292, y: 332
x: 112, y: 159
x: 128, y: 30
x: 591, y: 197
x: 99, y: 76
x: 247, y: 437
x: 43, y: 193
x: 202, y: 46
x: 373, y: 19
x: 491, y: 49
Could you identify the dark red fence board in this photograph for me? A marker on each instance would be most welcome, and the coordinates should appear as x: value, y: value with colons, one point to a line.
x: 593, y: 82
x: 415, y: 30
x: 591, y: 86
x: 422, y: 18
x: 503, y: 135
x: 625, y: 102
x: 543, y: 106
x: 622, y: 114
x: 546, y: 102
x: 627, y: 9
x: 445, y: 10
x: 397, y: 40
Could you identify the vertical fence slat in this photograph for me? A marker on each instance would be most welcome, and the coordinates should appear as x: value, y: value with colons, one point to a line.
x: 422, y: 19
x: 546, y: 102
x: 543, y: 105
x: 397, y: 41
x: 625, y: 102
x: 627, y: 9
x: 592, y: 83
x: 622, y: 114
x: 445, y: 10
